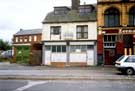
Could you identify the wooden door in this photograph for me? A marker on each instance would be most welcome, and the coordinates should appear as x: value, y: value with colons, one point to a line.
x: 109, y: 57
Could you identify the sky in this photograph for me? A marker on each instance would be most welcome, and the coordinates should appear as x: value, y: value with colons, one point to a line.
x: 26, y: 14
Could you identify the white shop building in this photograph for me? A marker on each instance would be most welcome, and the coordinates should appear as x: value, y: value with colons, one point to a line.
x: 70, y: 37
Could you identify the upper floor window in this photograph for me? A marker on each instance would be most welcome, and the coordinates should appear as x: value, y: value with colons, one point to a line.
x: 132, y: 16
x: 55, y: 30
x: 30, y: 38
x: 82, y: 32
x: 21, y: 39
x: 111, y: 17
x: 25, y: 38
x: 35, y: 38
x: 16, y: 39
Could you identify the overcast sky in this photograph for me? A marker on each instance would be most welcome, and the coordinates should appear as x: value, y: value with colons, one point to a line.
x: 26, y: 14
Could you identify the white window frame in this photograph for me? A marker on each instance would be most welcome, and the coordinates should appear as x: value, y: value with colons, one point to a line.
x: 82, y: 31
x: 30, y: 38
x: 35, y: 38
x: 20, y: 39
x: 16, y: 39
x: 58, y: 28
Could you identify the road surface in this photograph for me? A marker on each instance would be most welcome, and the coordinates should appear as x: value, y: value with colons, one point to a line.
x: 60, y: 85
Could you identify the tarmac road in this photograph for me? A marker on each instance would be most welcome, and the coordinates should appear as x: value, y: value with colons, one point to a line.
x: 61, y: 85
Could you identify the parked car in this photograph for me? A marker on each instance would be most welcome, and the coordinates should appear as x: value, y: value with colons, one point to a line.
x: 126, y: 64
x: 7, y: 54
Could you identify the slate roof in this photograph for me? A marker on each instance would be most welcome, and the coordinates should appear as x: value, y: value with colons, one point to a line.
x: 71, y: 16
x: 29, y: 32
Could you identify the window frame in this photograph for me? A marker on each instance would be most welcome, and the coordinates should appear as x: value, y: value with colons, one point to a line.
x: 81, y: 32
x: 30, y: 38
x: 58, y: 28
x: 55, y: 49
x: 16, y: 39
x: 132, y: 16
x: 131, y: 59
x: 113, y: 15
x: 35, y: 37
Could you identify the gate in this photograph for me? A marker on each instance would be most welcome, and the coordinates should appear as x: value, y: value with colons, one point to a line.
x: 36, y: 54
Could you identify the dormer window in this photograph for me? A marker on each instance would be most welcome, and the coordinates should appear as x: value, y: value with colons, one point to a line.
x: 84, y: 9
x: 61, y: 10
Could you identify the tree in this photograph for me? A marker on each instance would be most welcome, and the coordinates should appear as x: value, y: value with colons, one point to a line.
x: 4, y: 45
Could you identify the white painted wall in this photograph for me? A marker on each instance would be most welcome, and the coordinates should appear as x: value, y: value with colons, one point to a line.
x: 78, y: 57
x: 71, y: 29
x: 58, y: 57
x: 55, y: 37
x: 47, y: 58
x: 90, y: 55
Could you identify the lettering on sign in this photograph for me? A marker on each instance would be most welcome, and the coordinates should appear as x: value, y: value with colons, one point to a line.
x: 128, y: 31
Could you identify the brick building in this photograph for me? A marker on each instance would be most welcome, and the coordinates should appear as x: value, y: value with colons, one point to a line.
x: 116, y: 29
x: 27, y: 46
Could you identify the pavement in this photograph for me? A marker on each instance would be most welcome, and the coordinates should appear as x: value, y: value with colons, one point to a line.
x: 16, y: 71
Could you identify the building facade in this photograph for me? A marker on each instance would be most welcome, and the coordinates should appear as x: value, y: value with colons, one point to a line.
x: 24, y: 42
x: 69, y: 36
x: 116, y: 29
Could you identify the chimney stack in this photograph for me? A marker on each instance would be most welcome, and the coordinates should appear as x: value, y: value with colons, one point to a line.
x: 75, y: 4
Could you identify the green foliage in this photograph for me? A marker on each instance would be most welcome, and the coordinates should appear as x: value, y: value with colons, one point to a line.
x: 4, y: 45
x: 23, y: 54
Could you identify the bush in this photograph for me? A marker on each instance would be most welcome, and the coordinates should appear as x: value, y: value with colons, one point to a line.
x: 4, y: 45
x: 23, y: 54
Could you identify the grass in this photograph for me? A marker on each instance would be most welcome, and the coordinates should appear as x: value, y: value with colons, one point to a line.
x: 5, y: 60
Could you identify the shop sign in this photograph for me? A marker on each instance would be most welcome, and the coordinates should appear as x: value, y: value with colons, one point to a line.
x: 128, y: 31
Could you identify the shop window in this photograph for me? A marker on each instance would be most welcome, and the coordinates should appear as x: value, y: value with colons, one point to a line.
x: 54, y: 49
x: 109, y: 41
x: 58, y: 48
x: 48, y: 48
x: 89, y: 47
x: 63, y: 48
x: 78, y: 48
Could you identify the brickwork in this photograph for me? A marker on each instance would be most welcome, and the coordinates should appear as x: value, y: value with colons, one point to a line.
x: 123, y: 7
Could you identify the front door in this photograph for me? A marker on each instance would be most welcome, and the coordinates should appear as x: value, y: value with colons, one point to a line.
x: 109, y: 56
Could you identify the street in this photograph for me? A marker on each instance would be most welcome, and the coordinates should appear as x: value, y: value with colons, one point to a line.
x: 60, y: 85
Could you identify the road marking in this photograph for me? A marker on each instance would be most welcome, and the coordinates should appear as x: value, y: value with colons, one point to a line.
x: 30, y: 84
